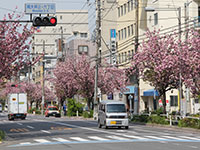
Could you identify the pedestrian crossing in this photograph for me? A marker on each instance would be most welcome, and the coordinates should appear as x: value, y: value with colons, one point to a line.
x: 108, y: 139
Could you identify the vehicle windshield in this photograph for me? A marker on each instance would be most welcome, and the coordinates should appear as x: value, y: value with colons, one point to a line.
x: 53, y: 108
x: 116, y: 108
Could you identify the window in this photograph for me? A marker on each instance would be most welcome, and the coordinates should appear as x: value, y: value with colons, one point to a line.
x: 60, y: 17
x: 132, y: 4
x: 132, y: 53
x: 122, y: 57
x: 125, y: 57
x: 119, y: 61
x: 155, y: 18
x: 121, y: 10
x: 119, y: 34
x: 124, y: 32
x: 131, y: 29
x: 199, y: 14
x: 173, y: 100
x: 128, y: 6
x: 118, y: 11
x: 124, y: 9
x: 84, y: 35
x: 129, y: 55
x: 83, y: 49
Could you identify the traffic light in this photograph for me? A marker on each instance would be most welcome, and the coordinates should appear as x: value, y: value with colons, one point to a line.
x: 44, y: 21
x: 14, y: 85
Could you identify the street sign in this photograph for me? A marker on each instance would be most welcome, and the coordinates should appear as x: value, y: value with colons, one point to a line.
x: 40, y: 8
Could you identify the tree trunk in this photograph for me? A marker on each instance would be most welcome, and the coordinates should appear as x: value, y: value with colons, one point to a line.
x: 164, y: 102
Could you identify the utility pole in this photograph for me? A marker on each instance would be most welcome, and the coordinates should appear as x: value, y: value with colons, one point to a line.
x: 98, y: 52
x: 136, y: 82
x: 180, y: 76
x: 43, y: 74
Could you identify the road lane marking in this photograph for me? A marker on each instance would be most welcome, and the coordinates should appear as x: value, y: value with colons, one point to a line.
x: 41, y: 140
x: 135, y: 137
x: 25, y: 143
x: 171, y: 137
x: 60, y: 140
x: 45, y: 131
x: 117, y: 137
x: 78, y: 139
x: 97, y: 138
x: 20, y: 124
x: 30, y: 127
x: 154, y: 137
x: 19, y: 130
x: 191, y: 138
x: 60, y: 128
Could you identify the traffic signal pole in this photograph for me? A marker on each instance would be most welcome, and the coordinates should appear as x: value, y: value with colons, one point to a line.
x: 43, y: 80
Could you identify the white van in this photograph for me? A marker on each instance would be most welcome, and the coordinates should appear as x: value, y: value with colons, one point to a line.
x: 112, y: 114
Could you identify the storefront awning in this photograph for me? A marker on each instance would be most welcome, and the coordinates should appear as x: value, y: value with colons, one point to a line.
x: 151, y: 92
x: 129, y: 90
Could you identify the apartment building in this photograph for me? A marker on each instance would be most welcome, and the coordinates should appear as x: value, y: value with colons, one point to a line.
x: 153, y: 14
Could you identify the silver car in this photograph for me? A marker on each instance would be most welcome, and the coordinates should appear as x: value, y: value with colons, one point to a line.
x: 112, y: 114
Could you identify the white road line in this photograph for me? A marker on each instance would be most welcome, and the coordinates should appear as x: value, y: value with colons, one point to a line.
x: 191, y: 138
x: 78, y: 139
x: 45, y: 131
x: 154, y: 137
x: 30, y: 127
x: 171, y: 137
x: 193, y: 147
x: 20, y: 124
x: 117, y: 137
x: 41, y: 140
x: 97, y: 138
x: 25, y: 143
x: 135, y: 137
x: 60, y: 140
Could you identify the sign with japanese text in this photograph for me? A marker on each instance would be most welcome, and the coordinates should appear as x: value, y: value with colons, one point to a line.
x: 40, y: 8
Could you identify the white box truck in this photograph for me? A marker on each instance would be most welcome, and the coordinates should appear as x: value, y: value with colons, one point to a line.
x: 17, y: 106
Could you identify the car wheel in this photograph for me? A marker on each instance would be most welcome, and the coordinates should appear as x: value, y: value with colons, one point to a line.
x: 119, y: 127
x: 99, y: 124
x: 126, y: 127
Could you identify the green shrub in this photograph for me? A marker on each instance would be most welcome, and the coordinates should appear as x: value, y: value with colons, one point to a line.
x: 140, y: 118
x: 2, y: 135
x: 189, y: 122
x: 158, y: 120
x: 87, y: 114
x: 73, y: 107
x: 37, y: 111
x: 158, y: 111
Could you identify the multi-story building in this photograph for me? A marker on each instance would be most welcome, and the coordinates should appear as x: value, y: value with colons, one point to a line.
x: 153, y: 14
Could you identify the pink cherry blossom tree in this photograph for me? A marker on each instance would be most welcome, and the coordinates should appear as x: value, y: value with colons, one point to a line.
x: 14, y: 39
x: 161, y: 60
x: 76, y: 76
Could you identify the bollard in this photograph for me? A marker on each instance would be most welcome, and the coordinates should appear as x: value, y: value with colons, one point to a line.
x: 77, y: 113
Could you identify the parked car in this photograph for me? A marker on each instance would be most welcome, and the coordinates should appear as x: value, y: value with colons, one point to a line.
x: 52, y: 111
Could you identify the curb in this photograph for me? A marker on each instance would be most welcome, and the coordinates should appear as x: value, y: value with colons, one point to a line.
x: 168, y: 127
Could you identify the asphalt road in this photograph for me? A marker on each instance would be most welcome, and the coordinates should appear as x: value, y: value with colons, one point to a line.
x: 39, y: 133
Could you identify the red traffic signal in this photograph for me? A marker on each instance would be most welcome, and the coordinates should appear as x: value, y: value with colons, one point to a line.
x: 44, y: 21
x: 14, y: 85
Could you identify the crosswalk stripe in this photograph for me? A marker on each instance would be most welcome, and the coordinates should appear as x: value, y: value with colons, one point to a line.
x: 25, y: 143
x: 41, y: 140
x: 60, y: 140
x: 97, y: 138
x: 171, y: 137
x: 154, y: 137
x: 135, y: 137
x: 191, y: 138
x: 117, y: 138
x: 78, y: 139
